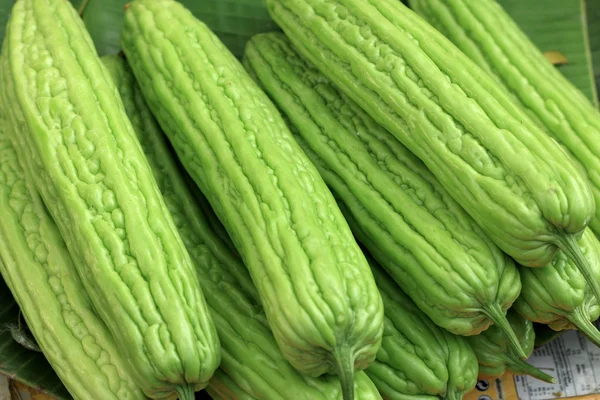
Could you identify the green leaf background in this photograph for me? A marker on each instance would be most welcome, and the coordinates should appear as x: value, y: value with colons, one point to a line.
x: 571, y: 27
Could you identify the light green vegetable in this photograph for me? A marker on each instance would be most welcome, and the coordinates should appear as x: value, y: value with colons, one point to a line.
x: 418, y: 359
x: 517, y: 183
x: 488, y: 35
x: 559, y: 296
x: 394, y: 205
x: 36, y: 266
x: 316, y: 287
x: 496, y: 357
x: 252, y: 365
x: 71, y: 130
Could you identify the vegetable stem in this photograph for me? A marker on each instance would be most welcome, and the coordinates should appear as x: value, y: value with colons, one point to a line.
x: 521, y: 367
x: 185, y: 392
x: 582, y: 322
x: 568, y: 244
x: 495, y: 313
x: 345, y: 370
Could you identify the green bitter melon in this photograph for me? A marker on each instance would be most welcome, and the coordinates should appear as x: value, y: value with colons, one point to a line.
x: 71, y: 130
x: 252, y: 365
x: 418, y: 359
x: 519, y: 184
x: 38, y: 269
x: 559, y: 296
x: 496, y: 357
x: 432, y: 248
x: 486, y: 33
x: 314, y: 282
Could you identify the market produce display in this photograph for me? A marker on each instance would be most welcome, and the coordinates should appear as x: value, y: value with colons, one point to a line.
x: 37, y: 267
x: 250, y: 356
x: 487, y: 34
x: 517, y: 183
x: 394, y: 205
x: 174, y: 218
x: 314, y: 282
x: 74, y: 138
x: 495, y: 355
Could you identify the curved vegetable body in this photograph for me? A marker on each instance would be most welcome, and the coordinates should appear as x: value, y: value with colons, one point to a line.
x: 93, y: 177
x: 251, y: 359
x: 314, y: 282
x: 495, y: 355
x: 489, y: 36
x: 517, y: 183
x: 38, y: 269
x: 559, y: 296
x: 394, y: 205
x: 417, y: 358
x: 222, y: 387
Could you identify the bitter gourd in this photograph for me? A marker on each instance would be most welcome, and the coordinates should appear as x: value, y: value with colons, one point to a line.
x: 515, y: 181
x: 72, y: 132
x: 222, y: 387
x: 251, y: 357
x: 394, y: 205
x: 417, y: 359
x: 38, y: 269
x: 486, y: 33
x: 495, y: 355
x: 314, y: 282
x: 440, y: 362
x: 559, y: 296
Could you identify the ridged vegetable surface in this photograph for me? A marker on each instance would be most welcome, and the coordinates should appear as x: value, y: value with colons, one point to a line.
x: 38, y: 269
x: 517, y: 183
x: 486, y: 33
x: 222, y: 387
x: 251, y: 360
x: 93, y: 177
x: 394, y: 205
x: 496, y: 357
x: 313, y: 280
x: 559, y: 296
x: 417, y: 359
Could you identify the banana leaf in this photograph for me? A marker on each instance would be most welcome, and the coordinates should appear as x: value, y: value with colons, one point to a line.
x: 561, y: 25
x: 234, y: 21
x: 593, y: 22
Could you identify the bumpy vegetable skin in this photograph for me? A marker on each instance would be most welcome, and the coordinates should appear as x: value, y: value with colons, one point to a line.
x: 495, y: 355
x: 81, y: 152
x: 486, y: 33
x: 559, y: 296
x: 314, y: 282
x: 38, y: 269
x: 394, y: 205
x: 514, y: 180
x: 222, y: 387
x: 252, y: 366
x: 417, y: 359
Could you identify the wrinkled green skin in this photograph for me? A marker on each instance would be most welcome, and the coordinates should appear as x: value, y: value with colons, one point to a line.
x: 81, y: 152
x: 313, y: 280
x: 495, y: 355
x: 417, y: 359
x: 514, y: 180
x: 488, y: 35
x: 36, y: 266
x: 394, y: 205
x: 558, y: 295
x: 250, y: 357
x: 222, y: 387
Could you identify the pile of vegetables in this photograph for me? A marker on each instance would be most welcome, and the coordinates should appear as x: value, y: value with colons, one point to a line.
x: 377, y: 201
